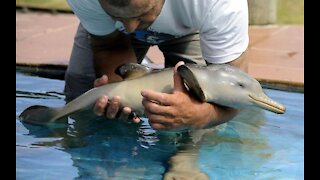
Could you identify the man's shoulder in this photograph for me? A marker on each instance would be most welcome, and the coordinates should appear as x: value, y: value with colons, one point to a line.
x: 93, y: 18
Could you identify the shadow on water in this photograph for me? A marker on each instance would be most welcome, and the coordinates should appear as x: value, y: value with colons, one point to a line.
x: 101, y: 148
x: 256, y: 144
x: 87, y: 146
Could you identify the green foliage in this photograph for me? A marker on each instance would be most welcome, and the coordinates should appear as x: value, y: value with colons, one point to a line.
x: 44, y: 4
x: 290, y: 11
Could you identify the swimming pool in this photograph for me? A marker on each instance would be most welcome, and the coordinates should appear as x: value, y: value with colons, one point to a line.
x: 255, y: 145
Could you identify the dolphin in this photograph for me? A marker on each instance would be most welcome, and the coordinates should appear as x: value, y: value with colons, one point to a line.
x: 221, y: 84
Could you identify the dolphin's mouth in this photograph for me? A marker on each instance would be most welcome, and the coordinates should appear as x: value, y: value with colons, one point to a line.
x: 268, y: 104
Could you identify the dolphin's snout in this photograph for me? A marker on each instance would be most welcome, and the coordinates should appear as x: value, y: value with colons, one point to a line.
x: 263, y: 101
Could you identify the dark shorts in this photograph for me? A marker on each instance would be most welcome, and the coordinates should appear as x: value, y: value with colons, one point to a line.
x: 80, y: 74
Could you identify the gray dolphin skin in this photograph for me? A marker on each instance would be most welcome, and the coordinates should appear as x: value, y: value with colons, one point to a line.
x: 221, y: 84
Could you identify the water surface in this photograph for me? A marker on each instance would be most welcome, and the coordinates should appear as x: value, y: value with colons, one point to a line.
x: 255, y: 145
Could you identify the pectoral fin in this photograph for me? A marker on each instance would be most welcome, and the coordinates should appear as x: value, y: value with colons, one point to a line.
x: 191, y: 83
x: 132, y: 70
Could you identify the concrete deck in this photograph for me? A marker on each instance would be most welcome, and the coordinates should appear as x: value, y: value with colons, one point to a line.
x: 276, y: 53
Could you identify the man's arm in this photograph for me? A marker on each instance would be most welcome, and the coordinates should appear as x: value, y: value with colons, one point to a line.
x: 241, y: 62
x: 111, y: 51
x: 179, y: 110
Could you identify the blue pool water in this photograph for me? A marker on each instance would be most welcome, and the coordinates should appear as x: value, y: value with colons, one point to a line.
x: 255, y: 145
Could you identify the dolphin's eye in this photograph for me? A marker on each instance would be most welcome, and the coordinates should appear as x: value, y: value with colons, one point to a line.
x: 241, y: 85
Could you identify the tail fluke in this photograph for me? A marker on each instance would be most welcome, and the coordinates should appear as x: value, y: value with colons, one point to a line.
x: 39, y: 115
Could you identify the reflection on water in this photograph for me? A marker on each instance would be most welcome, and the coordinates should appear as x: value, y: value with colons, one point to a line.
x: 255, y: 145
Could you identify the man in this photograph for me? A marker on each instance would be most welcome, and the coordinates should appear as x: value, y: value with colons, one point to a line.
x: 114, y: 32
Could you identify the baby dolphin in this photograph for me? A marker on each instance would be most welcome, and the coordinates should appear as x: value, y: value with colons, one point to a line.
x: 222, y: 84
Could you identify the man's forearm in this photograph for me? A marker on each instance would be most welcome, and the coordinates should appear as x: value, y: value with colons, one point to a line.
x: 110, y: 52
x: 241, y: 62
x: 107, y: 61
x: 220, y: 115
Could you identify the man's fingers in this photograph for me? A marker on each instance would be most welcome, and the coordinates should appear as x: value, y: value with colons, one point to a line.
x: 159, y: 119
x: 158, y: 126
x: 124, y: 114
x: 136, y: 119
x: 101, y: 81
x: 162, y: 99
x: 101, y: 104
x: 155, y: 108
x: 113, y: 107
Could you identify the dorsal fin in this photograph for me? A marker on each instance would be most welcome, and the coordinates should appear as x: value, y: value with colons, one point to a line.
x: 132, y: 70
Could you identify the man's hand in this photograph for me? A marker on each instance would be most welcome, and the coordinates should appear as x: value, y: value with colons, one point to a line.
x: 179, y: 110
x: 111, y: 108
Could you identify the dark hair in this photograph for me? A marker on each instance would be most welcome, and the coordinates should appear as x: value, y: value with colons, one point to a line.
x: 119, y: 3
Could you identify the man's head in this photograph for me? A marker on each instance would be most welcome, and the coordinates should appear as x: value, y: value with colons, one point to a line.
x: 134, y: 14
